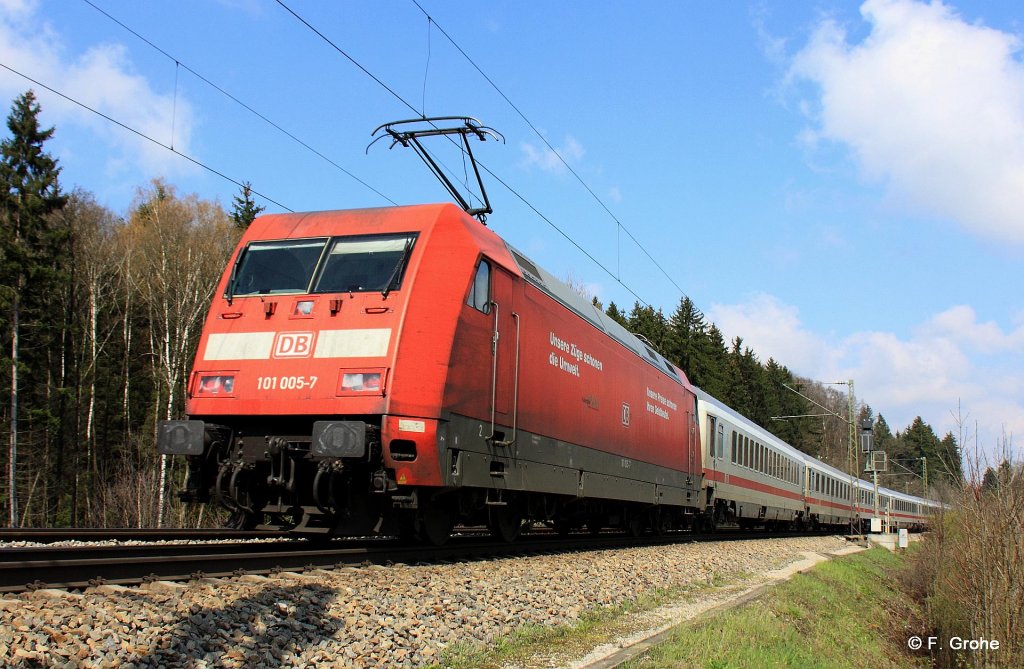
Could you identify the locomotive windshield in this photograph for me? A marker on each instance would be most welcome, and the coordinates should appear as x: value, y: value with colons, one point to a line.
x: 356, y: 264
x: 350, y: 264
x: 284, y: 266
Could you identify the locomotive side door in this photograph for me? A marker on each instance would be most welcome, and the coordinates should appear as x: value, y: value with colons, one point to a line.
x: 504, y: 349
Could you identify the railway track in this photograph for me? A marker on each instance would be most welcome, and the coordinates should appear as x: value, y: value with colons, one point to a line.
x: 50, y: 536
x: 82, y: 566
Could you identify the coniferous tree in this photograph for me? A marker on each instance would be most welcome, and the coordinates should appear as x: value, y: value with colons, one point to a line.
x: 650, y: 324
x: 990, y: 481
x: 243, y: 208
x: 686, y: 328
x: 33, y: 249
x: 949, y: 457
x: 920, y: 441
x: 884, y: 439
x: 712, y: 363
x: 613, y: 312
x: 780, y: 401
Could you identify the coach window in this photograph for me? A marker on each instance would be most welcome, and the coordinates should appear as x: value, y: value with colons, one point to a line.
x: 721, y: 441
x: 480, y: 291
x: 734, y: 446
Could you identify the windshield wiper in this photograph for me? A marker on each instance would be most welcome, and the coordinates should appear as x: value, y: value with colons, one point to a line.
x: 230, y: 294
x: 398, y: 267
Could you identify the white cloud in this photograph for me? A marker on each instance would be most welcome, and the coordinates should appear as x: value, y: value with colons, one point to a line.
x: 772, y: 329
x: 539, y: 155
x: 960, y: 324
x: 103, y: 77
x: 949, y: 360
x: 929, y: 104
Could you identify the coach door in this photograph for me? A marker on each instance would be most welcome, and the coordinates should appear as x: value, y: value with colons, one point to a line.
x: 504, y: 356
x: 712, y: 430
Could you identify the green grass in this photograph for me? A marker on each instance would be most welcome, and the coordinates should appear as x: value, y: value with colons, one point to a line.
x: 848, y: 612
x: 529, y: 643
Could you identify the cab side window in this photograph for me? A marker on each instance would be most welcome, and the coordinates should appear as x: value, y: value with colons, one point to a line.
x: 480, y: 291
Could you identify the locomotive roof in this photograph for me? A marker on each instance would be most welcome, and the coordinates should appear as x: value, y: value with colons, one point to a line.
x: 587, y: 310
x: 427, y: 216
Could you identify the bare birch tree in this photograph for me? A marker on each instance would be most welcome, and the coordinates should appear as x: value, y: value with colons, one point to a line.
x: 181, y: 246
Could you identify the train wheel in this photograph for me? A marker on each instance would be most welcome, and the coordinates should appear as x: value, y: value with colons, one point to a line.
x: 662, y: 522
x: 434, y: 524
x: 505, y: 523
x: 241, y: 520
x: 561, y: 526
x: 635, y: 523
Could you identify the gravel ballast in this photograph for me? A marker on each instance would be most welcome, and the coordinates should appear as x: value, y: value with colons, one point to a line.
x: 372, y: 616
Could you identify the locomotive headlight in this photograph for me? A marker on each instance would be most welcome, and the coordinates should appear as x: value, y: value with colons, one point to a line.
x: 215, y: 384
x: 362, y: 381
x: 367, y: 381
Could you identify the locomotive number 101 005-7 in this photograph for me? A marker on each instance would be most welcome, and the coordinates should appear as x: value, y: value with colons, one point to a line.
x: 286, y: 382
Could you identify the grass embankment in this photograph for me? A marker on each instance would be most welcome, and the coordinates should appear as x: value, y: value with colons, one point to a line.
x: 848, y: 612
x: 539, y: 646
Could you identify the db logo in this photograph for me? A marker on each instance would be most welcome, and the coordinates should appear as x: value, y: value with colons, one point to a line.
x: 293, y: 345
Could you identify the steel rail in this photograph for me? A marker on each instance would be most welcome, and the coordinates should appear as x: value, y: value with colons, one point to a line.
x: 80, y: 567
x: 48, y: 535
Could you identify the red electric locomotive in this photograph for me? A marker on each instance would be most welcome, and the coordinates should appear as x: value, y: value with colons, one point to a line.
x: 401, y: 370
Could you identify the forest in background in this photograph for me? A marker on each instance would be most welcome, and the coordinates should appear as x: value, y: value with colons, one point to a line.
x: 100, y: 316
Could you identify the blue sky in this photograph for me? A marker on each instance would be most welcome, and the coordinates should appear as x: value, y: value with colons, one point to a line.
x: 841, y: 184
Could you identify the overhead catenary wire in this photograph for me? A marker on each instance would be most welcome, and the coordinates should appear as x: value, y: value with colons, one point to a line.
x: 483, y: 166
x: 544, y: 139
x: 219, y: 89
x: 143, y: 135
x: 359, y: 65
